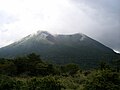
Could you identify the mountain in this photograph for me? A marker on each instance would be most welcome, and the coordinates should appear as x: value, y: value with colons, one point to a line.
x: 61, y: 49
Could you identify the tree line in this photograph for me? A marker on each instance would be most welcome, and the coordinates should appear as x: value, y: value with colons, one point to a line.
x: 30, y: 72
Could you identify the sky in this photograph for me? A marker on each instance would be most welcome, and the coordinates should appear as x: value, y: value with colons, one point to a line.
x: 99, y: 19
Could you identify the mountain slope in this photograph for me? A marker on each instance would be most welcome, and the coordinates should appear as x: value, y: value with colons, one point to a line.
x: 61, y: 49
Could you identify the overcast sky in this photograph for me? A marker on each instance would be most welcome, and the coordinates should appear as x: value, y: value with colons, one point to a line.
x: 99, y: 19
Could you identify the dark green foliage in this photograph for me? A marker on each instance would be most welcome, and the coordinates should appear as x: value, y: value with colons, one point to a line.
x: 31, y: 73
x: 104, y: 66
x: 46, y: 83
x: 28, y: 65
x: 70, y: 69
x: 8, y: 83
x: 103, y: 80
x: 116, y: 65
x: 33, y: 57
x: 7, y: 67
x: 32, y: 65
x: 21, y: 64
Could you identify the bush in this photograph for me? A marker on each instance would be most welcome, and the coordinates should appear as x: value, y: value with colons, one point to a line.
x: 103, y: 80
x: 7, y: 68
x: 70, y: 69
x: 45, y: 83
x: 7, y: 83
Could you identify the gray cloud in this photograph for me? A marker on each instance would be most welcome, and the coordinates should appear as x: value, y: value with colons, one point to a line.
x: 99, y: 19
x: 106, y: 15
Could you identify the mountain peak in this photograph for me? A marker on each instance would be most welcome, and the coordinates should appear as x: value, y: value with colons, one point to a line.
x: 43, y: 32
x: 61, y: 49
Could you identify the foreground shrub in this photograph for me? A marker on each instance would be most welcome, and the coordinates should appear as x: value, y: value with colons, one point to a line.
x: 45, y: 83
x: 103, y: 80
x: 7, y: 83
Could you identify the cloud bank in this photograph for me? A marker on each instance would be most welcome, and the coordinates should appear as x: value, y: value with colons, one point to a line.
x: 98, y: 19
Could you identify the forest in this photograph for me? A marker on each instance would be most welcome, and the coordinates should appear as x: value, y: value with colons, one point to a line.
x: 30, y: 72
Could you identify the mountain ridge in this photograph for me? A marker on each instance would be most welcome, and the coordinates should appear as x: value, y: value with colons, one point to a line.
x: 61, y: 49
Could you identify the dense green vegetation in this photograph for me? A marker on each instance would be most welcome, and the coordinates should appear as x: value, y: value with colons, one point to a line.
x: 32, y: 73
